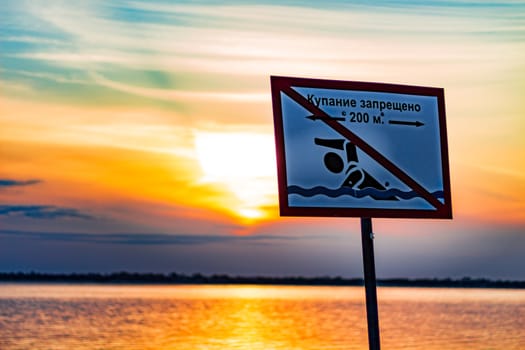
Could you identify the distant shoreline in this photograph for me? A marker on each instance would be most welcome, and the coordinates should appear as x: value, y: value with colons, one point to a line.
x: 175, y: 279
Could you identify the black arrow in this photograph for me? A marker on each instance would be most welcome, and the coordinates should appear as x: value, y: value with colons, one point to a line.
x: 403, y: 122
x: 316, y: 117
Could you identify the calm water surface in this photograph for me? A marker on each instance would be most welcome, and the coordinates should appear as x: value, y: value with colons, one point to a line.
x: 35, y: 316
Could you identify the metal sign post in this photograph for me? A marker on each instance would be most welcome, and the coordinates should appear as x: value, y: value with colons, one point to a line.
x: 361, y: 149
x: 372, y: 315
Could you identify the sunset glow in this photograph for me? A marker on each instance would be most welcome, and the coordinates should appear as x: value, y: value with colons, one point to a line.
x: 154, y: 118
x: 244, y: 163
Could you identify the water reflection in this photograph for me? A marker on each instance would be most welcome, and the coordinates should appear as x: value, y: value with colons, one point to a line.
x: 255, y: 317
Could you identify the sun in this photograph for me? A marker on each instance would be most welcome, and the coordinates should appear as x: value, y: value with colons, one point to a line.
x: 244, y: 164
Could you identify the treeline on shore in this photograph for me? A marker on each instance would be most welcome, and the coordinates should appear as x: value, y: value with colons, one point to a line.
x: 176, y: 278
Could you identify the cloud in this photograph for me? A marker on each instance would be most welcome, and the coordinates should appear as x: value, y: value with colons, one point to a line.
x: 42, y: 212
x: 181, y: 95
x: 57, y: 78
x: 143, y: 238
x: 257, y: 40
x: 11, y: 183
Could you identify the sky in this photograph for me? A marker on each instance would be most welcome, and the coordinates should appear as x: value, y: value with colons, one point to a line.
x: 139, y: 136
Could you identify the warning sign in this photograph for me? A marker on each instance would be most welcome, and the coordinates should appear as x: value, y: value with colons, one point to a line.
x: 360, y: 149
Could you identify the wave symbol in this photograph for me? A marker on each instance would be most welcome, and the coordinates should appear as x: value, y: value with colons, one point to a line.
x: 347, y: 191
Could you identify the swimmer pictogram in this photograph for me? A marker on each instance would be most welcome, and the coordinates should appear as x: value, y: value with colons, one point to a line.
x: 355, y: 176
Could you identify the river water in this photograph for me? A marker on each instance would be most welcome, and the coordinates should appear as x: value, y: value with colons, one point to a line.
x: 193, y: 317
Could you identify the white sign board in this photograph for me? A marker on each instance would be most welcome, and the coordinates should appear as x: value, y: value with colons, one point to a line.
x: 360, y: 149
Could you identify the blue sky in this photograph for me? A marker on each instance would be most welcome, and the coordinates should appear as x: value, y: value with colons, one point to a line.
x: 121, y: 123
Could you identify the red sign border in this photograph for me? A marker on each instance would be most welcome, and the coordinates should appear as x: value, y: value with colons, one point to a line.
x: 285, y: 84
